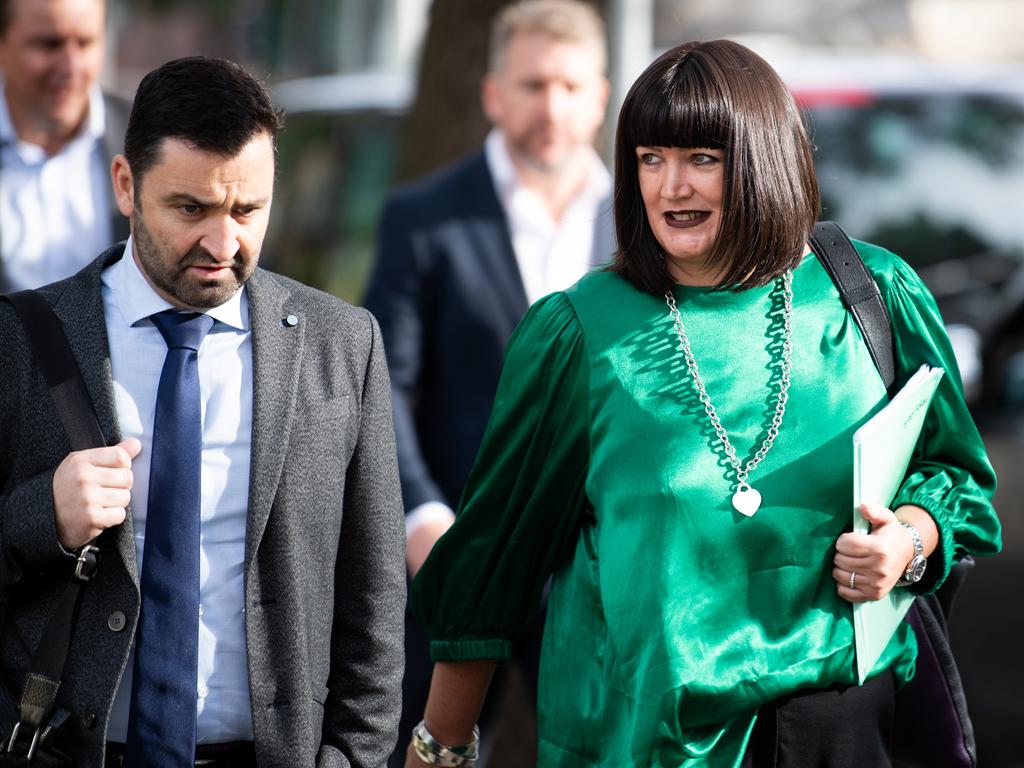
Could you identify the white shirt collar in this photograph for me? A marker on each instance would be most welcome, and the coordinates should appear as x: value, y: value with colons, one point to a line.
x: 137, y: 300
x: 94, y: 128
x: 506, y: 178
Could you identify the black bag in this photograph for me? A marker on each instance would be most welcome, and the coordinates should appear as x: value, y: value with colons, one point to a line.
x: 933, y: 728
x: 31, y: 742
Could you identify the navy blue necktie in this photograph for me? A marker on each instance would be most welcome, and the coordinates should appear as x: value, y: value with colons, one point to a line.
x: 162, y: 719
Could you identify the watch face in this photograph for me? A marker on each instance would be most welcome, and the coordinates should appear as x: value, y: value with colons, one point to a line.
x: 916, y: 570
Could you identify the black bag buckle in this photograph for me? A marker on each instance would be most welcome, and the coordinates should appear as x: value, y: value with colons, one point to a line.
x: 87, y: 562
x: 13, y: 742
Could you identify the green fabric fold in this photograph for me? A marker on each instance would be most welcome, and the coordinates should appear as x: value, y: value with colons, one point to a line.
x: 671, y: 617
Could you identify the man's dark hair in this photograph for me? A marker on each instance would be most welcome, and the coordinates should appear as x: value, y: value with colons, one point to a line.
x: 719, y: 95
x: 211, y: 104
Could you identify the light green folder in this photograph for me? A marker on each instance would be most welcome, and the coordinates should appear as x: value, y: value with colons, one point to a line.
x: 882, y: 448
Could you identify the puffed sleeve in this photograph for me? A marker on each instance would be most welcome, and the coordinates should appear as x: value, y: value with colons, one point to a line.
x: 520, y: 512
x: 949, y: 474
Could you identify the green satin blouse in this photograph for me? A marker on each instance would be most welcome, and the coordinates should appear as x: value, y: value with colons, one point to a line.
x: 672, y: 617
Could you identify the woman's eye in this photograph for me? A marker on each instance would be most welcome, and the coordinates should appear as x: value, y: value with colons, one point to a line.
x: 648, y: 158
x: 702, y: 158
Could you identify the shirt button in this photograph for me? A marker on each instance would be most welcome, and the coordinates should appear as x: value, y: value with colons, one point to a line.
x: 203, y: 691
x: 200, y: 609
x: 116, y: 621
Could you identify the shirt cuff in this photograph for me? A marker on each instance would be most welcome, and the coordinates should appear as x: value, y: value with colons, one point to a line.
x: 429, y: 512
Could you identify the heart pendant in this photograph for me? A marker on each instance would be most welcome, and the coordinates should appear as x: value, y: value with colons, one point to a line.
x: 746, y: 501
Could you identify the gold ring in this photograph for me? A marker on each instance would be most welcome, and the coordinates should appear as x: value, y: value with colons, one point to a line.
x: 853, y: 579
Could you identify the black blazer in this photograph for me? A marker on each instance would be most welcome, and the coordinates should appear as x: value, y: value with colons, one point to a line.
x: 447, y: 292
x: 115, y: 112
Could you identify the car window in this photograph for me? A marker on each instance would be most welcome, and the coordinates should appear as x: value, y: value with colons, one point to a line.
x: 937, y: 178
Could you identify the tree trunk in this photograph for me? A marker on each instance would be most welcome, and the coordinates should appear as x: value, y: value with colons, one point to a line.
x: 446, y: 120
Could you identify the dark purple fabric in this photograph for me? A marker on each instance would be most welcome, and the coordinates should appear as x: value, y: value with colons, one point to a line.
x: 932, y: 726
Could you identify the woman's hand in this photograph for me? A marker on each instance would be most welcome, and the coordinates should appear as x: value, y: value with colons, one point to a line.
x: 877, y: 559
x: 457, y: 690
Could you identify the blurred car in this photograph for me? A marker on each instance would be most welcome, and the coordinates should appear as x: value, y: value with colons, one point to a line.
x: 922, y: 158
x: 927, y: 159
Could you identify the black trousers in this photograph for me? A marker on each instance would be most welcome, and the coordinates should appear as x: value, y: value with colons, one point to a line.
x: 844, y: 726
x: 234, y: 754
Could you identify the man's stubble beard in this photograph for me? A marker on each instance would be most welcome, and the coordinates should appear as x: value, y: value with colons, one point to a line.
x: 550, y: 168
x: 167, y: 271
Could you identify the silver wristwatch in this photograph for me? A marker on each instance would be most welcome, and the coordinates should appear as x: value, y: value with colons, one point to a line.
x: 917, y: 564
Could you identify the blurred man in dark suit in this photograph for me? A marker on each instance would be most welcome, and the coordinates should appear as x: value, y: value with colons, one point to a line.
x: 464, y: 252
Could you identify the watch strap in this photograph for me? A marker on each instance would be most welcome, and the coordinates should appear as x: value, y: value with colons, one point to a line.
x: 907, y: 578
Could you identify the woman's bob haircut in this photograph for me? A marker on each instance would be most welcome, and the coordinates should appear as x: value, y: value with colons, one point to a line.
x: 719, y: 95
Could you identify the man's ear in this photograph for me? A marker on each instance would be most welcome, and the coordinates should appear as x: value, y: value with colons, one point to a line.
x: 124, y: 185
x: 490, y: 98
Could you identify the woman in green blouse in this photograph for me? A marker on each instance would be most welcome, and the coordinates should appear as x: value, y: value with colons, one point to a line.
x: 671, y: 440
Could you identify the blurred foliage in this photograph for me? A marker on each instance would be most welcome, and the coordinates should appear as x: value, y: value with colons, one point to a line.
x: 333, y: 174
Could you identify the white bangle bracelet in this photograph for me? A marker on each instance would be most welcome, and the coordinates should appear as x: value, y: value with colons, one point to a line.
x: 433, y: 752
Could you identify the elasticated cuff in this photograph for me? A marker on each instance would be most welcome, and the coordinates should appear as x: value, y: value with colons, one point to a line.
x: 941, y: 560
x: 470, y: 650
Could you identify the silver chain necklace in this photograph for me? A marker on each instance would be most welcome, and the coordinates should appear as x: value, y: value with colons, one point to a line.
x: 746, y: 500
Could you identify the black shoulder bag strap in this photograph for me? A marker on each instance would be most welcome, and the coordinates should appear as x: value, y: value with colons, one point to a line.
x: 55, y: 361
x: 859, y: 293
x: 936, y: 688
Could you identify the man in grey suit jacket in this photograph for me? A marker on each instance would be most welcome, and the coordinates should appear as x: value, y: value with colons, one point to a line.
x: 299, y: 647
x: 58, y: 136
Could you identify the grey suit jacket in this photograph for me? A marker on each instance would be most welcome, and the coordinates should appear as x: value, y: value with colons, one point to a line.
x: 324, y: 545
x: 116, y: 112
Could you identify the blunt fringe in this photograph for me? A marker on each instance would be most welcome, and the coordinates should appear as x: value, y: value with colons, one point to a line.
x: 719, y: 95
x: 211, y: 104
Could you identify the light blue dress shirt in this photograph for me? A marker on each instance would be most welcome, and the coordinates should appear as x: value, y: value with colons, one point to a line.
x: 137, y: 353
x: 54, y: 211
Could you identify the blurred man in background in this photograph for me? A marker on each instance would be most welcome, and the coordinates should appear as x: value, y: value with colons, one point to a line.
x: 463, y: 253
x: 58, y: 135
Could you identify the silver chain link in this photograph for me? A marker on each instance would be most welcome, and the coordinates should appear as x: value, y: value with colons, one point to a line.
x: 742, y: 472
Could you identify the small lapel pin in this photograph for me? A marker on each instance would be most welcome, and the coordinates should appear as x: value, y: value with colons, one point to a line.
x: 291, y: 321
